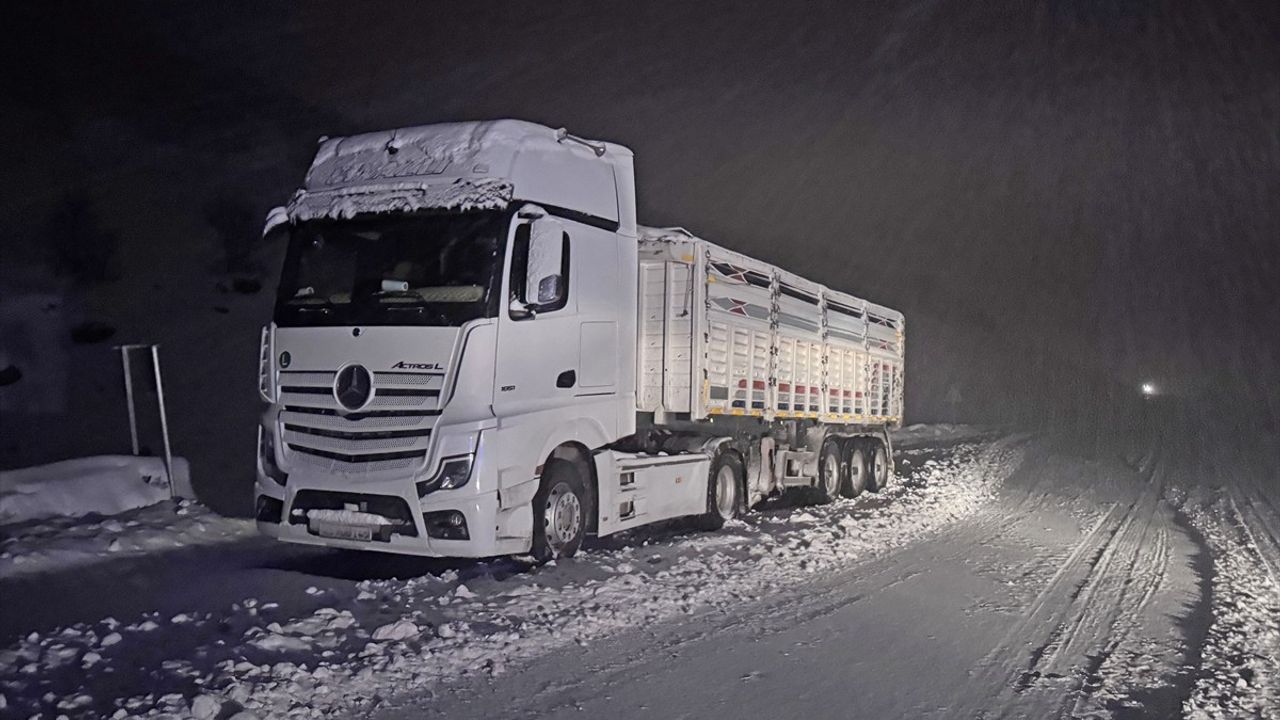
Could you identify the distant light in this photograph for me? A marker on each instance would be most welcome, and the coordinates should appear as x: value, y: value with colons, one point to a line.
x: 1148, y: 389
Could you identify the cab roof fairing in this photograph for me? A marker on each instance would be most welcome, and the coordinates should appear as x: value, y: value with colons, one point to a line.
x: 461, y: 166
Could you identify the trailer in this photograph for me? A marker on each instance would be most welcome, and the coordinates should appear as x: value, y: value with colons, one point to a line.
x: 477, y: 351
x: 724, y: 337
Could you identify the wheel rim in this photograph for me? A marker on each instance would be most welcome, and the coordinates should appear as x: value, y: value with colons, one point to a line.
x: 856, y: 469
x: 726, y: 492
x: 831, y: 473
x: 882, y: 466
x: 563, y: 517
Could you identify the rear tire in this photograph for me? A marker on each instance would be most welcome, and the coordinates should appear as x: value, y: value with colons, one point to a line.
x: 559, y: 512
x: 879, y: 476
x: 831, y: 472
x: 724, y: 491
x: 855, y: 461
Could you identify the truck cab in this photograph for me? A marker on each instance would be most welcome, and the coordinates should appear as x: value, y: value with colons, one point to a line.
x: 447, y: 321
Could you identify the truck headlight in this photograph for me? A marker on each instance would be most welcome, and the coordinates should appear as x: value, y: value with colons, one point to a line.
x: 454, y: 473
x: 267, y: 457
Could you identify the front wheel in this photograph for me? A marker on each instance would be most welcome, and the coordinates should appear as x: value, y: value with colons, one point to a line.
x: 723, y: 486
x: 559, y: 512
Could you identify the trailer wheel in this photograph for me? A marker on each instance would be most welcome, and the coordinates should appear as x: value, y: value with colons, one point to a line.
x: 559, y: 512
x: 855, y: 461
x: 831, y: 471
x: 723, y: 491
x: 879, y: 479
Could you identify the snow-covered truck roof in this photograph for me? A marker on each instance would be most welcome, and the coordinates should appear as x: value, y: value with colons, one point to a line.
x: 467, y: 166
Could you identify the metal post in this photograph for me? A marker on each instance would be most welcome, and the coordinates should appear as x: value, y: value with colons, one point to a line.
x: 164, y: 420
x: 128, y: 393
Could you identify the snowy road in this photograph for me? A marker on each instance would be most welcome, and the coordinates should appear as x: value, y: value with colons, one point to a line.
x: 1000, y: 578
x: 1062, y: 597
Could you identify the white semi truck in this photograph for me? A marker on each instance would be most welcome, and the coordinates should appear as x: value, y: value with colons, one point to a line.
x: 476, y: 351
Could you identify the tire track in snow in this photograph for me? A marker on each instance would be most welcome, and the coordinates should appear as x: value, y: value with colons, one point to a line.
x: 1046, y: 664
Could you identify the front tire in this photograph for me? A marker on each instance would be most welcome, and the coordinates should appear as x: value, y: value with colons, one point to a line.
x: 559, y: 512
x: 724, y: 489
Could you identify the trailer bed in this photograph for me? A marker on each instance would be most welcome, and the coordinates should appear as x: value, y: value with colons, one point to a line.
x: 721, y: 333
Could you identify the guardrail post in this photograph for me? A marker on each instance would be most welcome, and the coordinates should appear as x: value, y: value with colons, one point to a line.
x: 164, y: 421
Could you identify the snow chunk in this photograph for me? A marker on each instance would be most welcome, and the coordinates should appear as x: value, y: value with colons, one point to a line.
x: 347, y: 517
x: 399, y: 630
x: 205, y: 707
x: 275, y: 642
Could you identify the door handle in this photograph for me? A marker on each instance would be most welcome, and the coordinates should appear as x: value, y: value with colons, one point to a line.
x: 567, y: 379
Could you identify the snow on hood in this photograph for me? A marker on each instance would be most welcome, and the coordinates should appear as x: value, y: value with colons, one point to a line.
x: 346, y: 202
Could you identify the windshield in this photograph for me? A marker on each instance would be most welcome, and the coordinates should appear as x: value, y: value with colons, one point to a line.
x: 392, y: 270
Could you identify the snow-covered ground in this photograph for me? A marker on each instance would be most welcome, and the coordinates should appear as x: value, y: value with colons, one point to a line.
x: 346, y: 647
x: 919, y: 433
x: 1024, y: 578
x: 1239, y: 675
x: 58, y: 544
x: 103, y: 485
x: 76, y: 512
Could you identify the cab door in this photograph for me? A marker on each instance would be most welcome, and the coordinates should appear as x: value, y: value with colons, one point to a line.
x: 538, y: 324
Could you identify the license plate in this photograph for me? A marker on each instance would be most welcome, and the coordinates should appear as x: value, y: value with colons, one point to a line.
x: 342, y: 532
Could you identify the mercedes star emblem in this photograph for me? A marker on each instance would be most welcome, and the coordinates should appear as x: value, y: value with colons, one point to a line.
x: 353, y: 388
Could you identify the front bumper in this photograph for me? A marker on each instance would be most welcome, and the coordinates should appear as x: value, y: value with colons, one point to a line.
x: 491, y: 530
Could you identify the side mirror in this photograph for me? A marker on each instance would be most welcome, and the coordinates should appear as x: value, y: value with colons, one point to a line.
x: 544, y: 275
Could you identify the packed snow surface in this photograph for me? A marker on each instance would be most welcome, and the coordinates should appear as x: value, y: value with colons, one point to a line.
x: 104, y: 484
x: 338, y: 654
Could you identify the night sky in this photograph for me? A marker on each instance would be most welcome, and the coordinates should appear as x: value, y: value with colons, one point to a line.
x: 1064, y: 198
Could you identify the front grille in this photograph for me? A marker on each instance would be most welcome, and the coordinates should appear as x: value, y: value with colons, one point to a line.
x: 392, y: 432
